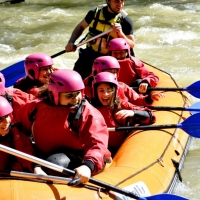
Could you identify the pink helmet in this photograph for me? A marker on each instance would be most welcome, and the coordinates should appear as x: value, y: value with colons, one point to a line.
x: 118, y: 44
x: 2, y: 84
x: 34, y: 62
x: 104, y: 62
x: 64, y: 80
x: 104, y: 77
x: 5, y: 107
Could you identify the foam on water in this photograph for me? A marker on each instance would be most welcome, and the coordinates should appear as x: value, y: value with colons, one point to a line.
x: 160, y: 7
x: 172, y: 37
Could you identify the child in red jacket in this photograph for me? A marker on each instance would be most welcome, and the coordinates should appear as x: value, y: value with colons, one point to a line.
x: 9, y: 139
x: 66, y: 129
x: 115, y: 111
x: 132, y: 71
x: 38, y: 68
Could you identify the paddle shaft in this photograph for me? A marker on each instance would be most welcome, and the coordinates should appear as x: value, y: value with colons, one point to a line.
x: 154, y: 127
x: 193, y: 89
x: 84, y: 42
x: 173, y: 108
x: 166, y: 89
x: 63, y: 170
x: 56, y: 179
x: 191, y: 126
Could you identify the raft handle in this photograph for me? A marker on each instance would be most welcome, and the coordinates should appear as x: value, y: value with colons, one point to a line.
x: 176, y: 165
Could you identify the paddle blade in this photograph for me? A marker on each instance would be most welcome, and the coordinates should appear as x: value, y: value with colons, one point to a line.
x: 195, y: 108
x: 191, y: 125
x: 13, y: 73
x: 165, y: 197
x: 194, y: 89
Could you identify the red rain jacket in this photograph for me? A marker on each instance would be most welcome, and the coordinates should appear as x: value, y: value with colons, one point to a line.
x: 18, y: 98
x: 51, y: 130
x: 132, y: 69
x: 116, y: 138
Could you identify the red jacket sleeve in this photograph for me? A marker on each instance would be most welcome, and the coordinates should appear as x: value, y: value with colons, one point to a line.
x: 131, y: 95
x: 128, y: 106
x: 33, y: 91
x: 94, y: 135
x: 19, y: 98
x: 144, y: 73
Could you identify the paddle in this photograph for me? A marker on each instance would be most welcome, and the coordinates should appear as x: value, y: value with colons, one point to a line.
x: 193, y: 89
x: 55, y: 179
x: 91, y: 180
x: 191, y: 126
x: 12, y: 1
x: 16, y: 71
x: 192, y: 108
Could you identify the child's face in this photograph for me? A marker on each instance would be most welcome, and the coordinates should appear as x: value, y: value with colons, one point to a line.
x: 119, y: 55
x: 5, y: 122
x: 70, y: 98
x: 105, y: 94
x: 44, y: 74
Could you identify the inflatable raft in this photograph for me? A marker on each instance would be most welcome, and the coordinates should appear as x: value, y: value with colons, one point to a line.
x: 147, y: 163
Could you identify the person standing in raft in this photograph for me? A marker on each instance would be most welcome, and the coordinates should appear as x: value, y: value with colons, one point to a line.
x: 38, y: 68
x: 66, y: 129
x: 15, y: 97
x: 99, y: 20
x: 9, y: 139
x: 110, y: 64
x: 132, y: 71
x: 115, y: 111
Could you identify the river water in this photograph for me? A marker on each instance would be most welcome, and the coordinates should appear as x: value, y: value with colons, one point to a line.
x: 167, y: 36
